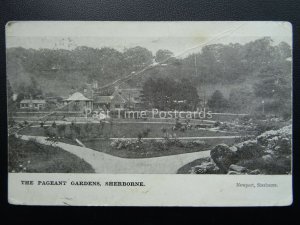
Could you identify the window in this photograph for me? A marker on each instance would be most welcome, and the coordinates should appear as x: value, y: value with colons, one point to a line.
x: 117, y: 106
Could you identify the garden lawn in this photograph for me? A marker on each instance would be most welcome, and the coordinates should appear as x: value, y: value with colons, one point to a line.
x: 130, y: 130
x: 96, y: 136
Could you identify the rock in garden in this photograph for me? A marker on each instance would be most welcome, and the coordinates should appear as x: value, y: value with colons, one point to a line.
x: 233, y: 148
x: 267, y: 158
x: 205, y: 168
x: 234, y: 173
x: 249, y: 150
x: 223, y: 157
x: 272, y: 136
x: 255, y: 172
x: 283, y: 146
x: 237, y: 168
x: 268, y: 164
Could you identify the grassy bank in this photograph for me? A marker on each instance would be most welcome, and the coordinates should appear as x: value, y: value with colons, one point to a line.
x: 31, y: 157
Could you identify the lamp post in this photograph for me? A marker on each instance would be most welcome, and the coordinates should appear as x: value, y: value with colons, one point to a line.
x: 263, y: 106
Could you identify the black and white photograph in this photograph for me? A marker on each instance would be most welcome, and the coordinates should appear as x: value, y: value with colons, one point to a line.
x: 192, y: 98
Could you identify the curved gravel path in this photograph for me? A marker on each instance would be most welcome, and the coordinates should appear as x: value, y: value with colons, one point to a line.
x: 105, y: 163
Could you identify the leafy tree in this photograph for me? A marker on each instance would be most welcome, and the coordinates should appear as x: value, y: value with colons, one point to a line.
x: 258, y: 53
x: 162, y: 55
x: 274, y: 84
x: 11, y: 104
x: 217, y: 102
x: 138, y: 57
x: 241, y: 100
x: 167, y: 94
x: 147, y: 93
x: 32, y: 90
x: 187, y: 94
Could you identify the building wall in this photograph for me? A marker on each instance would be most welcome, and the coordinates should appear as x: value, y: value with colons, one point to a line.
x: 117, y: 102
x: 37, y: 106
x: 117, y: 106
x: 79, y: 106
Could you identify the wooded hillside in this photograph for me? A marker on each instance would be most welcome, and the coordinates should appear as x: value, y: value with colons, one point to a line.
x: 258, y: 68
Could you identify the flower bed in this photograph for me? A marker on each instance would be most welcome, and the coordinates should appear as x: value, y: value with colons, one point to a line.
x: 158, y: 145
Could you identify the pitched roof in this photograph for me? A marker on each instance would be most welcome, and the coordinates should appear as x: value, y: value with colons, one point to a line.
x: 35, y: 101
x: 105, y: 92
x: 118, y: 95
x: 77, y: 96
x: 102, y: 99
x: 118, y: 98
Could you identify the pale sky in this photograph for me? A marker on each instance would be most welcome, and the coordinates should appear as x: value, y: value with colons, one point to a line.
x: 178, y: 37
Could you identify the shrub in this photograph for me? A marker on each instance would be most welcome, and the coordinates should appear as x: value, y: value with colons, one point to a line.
x: 245, y: 119
x: 77, y: 130
x: 69, y: 132
x: 153, y: 145
x: 122, y: 143
x: 178, y: 125
x: 158, y: 145
x: 50, y: 132
x: 194, y: 144
x: 263, y: 127
x: 100, y: 128
x: 163, y: 130
x: 146, y: 132
x: 217, y: 124
x: 87, y: 127
x: 140, y: 136
x: 143, y: 134
x: 61, y: 129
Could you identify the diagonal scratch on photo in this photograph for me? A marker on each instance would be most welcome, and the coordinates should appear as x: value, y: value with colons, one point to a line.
x: 149, y: 97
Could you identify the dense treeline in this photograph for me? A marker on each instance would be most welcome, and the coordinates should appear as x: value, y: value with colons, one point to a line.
x: 265, y: 67
x: 72, y: 69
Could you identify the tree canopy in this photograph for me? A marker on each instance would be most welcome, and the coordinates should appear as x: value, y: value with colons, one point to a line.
x: 167, y: 94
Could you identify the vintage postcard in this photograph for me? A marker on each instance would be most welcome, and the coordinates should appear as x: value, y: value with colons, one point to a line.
x: 149, y: 113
